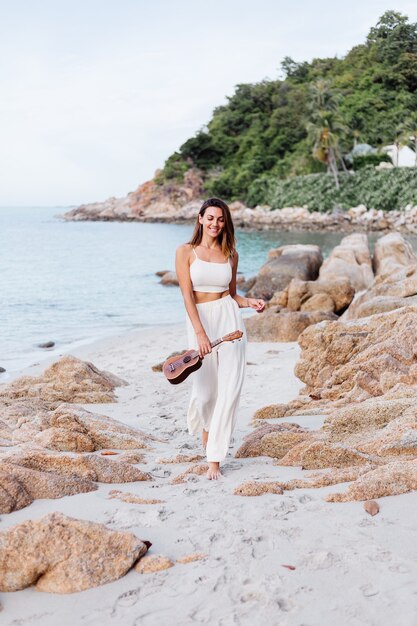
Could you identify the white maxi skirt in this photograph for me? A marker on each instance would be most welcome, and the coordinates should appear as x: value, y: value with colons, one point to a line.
x: 217, y: 384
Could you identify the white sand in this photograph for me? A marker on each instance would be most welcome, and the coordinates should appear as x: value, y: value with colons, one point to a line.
x: 351, y: 569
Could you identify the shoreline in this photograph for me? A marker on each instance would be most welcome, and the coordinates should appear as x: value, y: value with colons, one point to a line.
x: 289, y: 219
x: 82, y: 348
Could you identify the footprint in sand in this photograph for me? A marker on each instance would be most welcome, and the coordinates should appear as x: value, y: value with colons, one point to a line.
x: 304, y: 498
x: 320, y: 560
x: 369, y: 590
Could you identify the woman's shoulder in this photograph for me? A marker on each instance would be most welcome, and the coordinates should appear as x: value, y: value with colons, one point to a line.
x: 184, y: 249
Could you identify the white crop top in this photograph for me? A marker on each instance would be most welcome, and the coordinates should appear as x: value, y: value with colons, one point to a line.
x: 210, y: 277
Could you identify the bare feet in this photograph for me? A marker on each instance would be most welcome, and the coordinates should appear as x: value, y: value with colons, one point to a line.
x: 213, y: 472
x: 204, y: 438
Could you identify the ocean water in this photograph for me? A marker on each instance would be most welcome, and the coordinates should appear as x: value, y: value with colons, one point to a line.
x: 74, y: 282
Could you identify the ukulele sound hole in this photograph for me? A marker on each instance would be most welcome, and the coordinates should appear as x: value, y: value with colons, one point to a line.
x: 187, y: 358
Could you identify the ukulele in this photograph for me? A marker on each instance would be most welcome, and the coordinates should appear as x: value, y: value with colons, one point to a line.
x: 177, y: 368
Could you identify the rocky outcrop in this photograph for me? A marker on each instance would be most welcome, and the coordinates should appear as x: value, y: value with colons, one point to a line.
x: 331, y: 295
x: 150, y: 202
x: 20, y: 486
x: 355, y: 360
x: 89, y: 466
x: 60, y: 554
x: 67, y: 380
x: 347, y: 270
x: 169, y: 279
x: 350, y: 260
x: 277, y: 325
x: 390, y: 479
x: 391, y: 253
x: 284, y: 264
x: 172, y: 202
x: 363, y: 375
x: 273, y: 440
x: 395, y: 285
x: 28, y: 473
x: 68, y: 428
x: 37, y: 427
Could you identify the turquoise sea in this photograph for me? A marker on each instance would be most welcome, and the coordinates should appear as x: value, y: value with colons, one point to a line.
x: 74, y: 282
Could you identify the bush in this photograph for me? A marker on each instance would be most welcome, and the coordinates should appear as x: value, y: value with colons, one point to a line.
x: 369, y: 160
x: 387, y: 190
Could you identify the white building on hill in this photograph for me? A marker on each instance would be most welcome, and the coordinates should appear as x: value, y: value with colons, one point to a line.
x: 402, y: 156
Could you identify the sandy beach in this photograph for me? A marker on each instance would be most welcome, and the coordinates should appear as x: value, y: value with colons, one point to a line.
x: 350, y: 569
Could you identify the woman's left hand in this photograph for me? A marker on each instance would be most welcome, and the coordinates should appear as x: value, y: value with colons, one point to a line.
x: 257, y: 304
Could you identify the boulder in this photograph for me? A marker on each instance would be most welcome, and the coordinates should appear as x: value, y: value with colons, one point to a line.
x: 277, y: 325
x: 393, y: 478
x: 389, y: 291
x: 20, y: 486
x: 284, y: 264
x: 273, y: 440
x: 391, y: 253
x: 355, y: 360
x: 68, y: 428
x: 89, y: 466
x: 317, y: 453
x: 351, y: 259
x: 66, y: 380
x: 328, y: 295
x: 169, y: 278
x: 153, y: 200
x: 60, y: 554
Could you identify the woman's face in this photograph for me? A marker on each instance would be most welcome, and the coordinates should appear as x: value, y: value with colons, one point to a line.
x: 212, y: 221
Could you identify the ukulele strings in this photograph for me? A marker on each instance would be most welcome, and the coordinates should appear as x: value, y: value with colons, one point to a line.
x: 195, y: 353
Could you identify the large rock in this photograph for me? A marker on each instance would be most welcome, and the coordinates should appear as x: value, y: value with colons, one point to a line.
x: 355, y: 360
x: 169, y: 279
x: 60, y: 554
x: 151, y: 201
x: 89, y: 466
x: 284, y: 264
x: 389, y: 291
x: 67, y: 380
x: 331, y: 295
x: 391, y: 253
x: 350, y: 259
x: 20, y: 486
x: 316, y: 452
x: 69, y: 428
x: 390, y: 479
x: 273, y: 440
x: 277, y: 325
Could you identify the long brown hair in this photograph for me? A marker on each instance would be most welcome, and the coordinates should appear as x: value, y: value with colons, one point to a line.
x: 226, y: 238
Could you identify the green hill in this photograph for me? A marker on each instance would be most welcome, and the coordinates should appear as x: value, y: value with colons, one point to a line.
x: 275, y: 130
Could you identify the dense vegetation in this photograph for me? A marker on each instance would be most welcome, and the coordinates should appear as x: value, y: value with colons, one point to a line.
x: 386, y: 190
x: 272, y: 131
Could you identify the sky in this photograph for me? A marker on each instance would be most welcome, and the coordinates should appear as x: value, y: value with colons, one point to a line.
x: 96, y: 94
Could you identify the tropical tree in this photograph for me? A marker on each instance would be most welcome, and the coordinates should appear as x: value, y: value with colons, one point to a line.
x: 409, y: 133
x: 325, y: 127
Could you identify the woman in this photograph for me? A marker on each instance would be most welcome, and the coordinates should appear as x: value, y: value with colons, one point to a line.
x: 206, y: 269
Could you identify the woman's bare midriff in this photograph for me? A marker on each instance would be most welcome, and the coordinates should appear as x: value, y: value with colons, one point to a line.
x: 201, y: 296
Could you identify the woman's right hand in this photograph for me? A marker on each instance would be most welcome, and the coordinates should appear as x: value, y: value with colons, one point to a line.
x: 204, y: 346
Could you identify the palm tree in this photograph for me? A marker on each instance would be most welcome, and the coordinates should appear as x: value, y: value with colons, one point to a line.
x: 325, y: 127
x: 408, y: 133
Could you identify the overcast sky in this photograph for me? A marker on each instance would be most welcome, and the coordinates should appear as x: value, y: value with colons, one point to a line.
x: 96, y: 94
